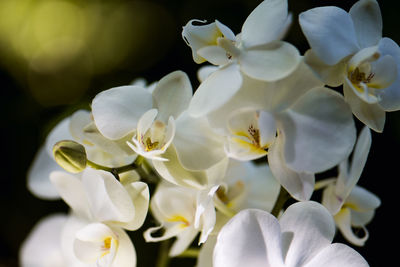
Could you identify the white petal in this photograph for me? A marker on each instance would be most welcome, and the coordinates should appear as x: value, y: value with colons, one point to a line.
x: 197, y: 146
x: 216, y: 55
x: 300, y: 185
x: 362, y: 200
x: 168, y: 233
x: 338, y: 255
x: 183, y: 241
x: 145, y: 122
x: 108, y: 199
x: 265, y: 23
x: 346, y: 182
x: 89, y: 241
x: 270, y: 62
x: 251, y: 238
x: 100, y: 146
x: 367, y: 19
x: 390, y: 96
x: 330, y: 33
x: 228, y: 33
x: 38, y: 179
x: 116, y: 111
x: 343, y: 221
x: 175, y: 173
x: 319, y: 131
x: 42, y: 247
x: 126, y: 254
x: 205, y: 71
x: 172, y: 95
x: 72, y: 225
x: 174, y: 205
x: 140, y: 196
x: 332, y: 75
x: 371, y: 115
x: 79, y: 120
x: 261, y: 187
x: 385, y: 70
x: 198, y: 36
x: 301, y: 219
x: 216, y: 90
x: 331, y: 200
x: 239, y: 149
x: 267, y: 126
x: 71, y: 190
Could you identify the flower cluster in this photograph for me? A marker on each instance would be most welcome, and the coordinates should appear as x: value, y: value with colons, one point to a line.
x: 259, y: 99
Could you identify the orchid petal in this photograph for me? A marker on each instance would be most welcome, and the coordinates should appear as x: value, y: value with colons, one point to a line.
x: 38, y: 181
x: 42, y: 247
x: 140, y: 196
x: 197, y: 146
x: 299, y: 219
x: 205, y: 71
x: 172, y: 95
x: 332, y: 75
x: 367, y: 19
x: 330, y: 32
x: 72, y: 192
x: 346, y: 182
x: 214, y: 54
x: 337, y: 255
x: 371, y: 115
x: 216, y: 90
x: 116, y: 111
x: 300, y: 185
x: 108, y: 199
x: 343, y: 221
x: 319, y: 131
x: 251, y: 238
x: 270, y: 62
x: 390, y: 96
x: 265, y: 23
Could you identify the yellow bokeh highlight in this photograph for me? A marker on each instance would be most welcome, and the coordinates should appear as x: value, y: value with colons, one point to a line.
x: 56, y: 47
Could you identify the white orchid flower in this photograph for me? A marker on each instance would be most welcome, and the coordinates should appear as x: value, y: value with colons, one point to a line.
x: 102, y: 206
x: 152, y: 136
x: 176, y: 208
x: 156, y: 119
x: 256, y: 238
x: 255, y: 52
x: 314, y: 134
x: 99, y: 197
x: 86, y: 243
x: 135, y: 110
x: 351, y: 205
x: 348, y: 48
x: 246, y: 185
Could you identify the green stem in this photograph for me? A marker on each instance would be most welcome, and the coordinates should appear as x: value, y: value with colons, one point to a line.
x: 189, y: 253
x: 163, y: 258
x: 129, y: 167
x: 280, y: 202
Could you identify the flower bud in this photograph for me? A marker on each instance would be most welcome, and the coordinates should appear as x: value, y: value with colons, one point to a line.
x: 70, y: 155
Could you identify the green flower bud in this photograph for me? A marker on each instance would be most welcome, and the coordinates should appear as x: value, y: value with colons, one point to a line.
x: 70, y: 155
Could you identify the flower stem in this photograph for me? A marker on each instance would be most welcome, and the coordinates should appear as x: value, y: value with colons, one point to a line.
x: 280, y: 202
x: 136, y: 165
x: 163, y: 258
x: 189, y: 253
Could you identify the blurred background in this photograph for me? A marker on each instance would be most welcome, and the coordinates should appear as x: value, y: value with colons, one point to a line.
x: 56, y: 55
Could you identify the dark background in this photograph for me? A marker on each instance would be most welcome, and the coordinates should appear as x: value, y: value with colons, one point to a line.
x: 133, y: 39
